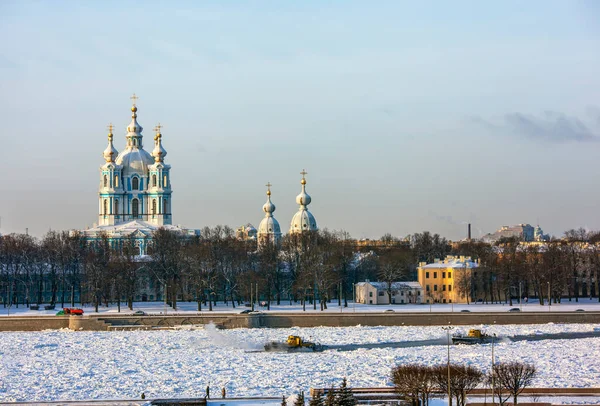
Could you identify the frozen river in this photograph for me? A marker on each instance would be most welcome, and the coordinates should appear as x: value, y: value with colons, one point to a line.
x: 55, y: 365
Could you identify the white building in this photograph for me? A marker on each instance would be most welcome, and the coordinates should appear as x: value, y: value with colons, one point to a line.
x: 376, y: 293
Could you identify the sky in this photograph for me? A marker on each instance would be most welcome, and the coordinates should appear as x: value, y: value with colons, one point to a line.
x: 407, y: 116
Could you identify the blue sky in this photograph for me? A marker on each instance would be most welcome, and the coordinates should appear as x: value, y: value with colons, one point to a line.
x: 407, y: 116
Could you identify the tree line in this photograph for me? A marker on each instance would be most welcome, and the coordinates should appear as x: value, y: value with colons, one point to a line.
x: 313, y: 269
x: 549, y: 271
x: 419, y: 383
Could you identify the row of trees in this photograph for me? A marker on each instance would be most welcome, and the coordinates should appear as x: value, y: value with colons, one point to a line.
x: 419, y: 383
x: 567, y: 267
x: 311, y: 268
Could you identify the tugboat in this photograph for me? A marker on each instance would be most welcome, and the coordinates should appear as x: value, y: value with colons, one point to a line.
x: 294, y: 344
x: 475, y: 336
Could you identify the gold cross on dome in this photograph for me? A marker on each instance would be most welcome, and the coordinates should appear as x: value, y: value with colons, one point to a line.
x: 268, y: 185
x: 134, y: 98
x: 157, y: 128
x: 110, y: 128
x: 303, y: 173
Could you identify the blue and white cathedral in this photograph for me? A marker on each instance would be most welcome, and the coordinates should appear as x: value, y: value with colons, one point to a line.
x: 134, y: 198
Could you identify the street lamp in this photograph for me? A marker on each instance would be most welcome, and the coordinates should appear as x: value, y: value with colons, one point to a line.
x: 354, y: 298
x: 520, y: 296
x: 448, y: 328
x: 493, y: 382
x: 166, y: 294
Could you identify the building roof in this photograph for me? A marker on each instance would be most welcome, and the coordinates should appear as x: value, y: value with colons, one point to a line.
x: 452, y: 262
x: 395, y: 285
x: 138, y: 228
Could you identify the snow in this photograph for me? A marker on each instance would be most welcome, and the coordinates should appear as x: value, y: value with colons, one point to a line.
x: 585, y: 304
x: 61, y: 364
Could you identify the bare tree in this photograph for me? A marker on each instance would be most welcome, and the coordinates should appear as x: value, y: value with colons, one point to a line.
x: 513, y: 377
x: 394, y: 265
x: 415, y: 382
x: 463, y: 379
x: 166, y: 253
x: 463, y: 282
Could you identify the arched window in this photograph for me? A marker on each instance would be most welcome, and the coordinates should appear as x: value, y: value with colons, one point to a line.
x: 105, y: 181
x: 165, y: 207
x: 164, y: 180
x: 105, y: 207
x: 153, y: 206
x: 135, y: 183
x: 135, y: 208
x: 116, y: 207
x: 154, y: 180
x: 116, y: 181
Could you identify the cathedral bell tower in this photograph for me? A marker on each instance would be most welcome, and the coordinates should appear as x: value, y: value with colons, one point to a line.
x: 159, y: 187
x: 110, y: 185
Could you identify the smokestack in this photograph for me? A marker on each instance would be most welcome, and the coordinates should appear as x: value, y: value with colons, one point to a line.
x: 469, y: 232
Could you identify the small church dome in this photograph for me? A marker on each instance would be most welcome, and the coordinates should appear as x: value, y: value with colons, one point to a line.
x: 269, y: 228
x: 269, y: 225
x: 303, y: 220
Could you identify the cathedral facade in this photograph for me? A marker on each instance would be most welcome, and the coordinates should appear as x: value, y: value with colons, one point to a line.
x: 134, y: 197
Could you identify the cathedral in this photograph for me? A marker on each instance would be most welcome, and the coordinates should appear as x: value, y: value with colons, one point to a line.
x: 135, y: 196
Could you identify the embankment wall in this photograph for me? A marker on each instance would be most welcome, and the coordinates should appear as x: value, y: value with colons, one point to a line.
x: 286, y: 320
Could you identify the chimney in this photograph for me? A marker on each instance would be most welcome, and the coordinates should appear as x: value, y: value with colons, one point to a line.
x: 469, y: 232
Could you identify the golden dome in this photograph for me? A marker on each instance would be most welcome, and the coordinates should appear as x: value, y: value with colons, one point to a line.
x: 303, y: 181
x: 133, y: 108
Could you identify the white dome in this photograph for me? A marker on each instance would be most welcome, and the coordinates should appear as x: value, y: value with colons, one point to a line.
x: 269, y: 225
x: 159, y: 153
x: 110, y: 153
x: 303, y: 199
x: 269, y: 229
x: 269, y: 207
x: 134, y: 160
x: 303, y: 220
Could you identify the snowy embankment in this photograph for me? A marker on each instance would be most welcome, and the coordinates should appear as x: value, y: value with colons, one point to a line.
x: 584, y: 304
x: 54, y: 365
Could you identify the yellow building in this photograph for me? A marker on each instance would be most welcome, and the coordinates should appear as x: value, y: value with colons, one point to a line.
x: 445, y: 281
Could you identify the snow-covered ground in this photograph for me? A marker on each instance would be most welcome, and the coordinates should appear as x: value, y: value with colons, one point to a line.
x: 585, y: 304
x: 180, y: 363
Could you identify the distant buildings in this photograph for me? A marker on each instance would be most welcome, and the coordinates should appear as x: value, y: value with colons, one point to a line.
x: 524, y: 232
x: 247, y: 232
